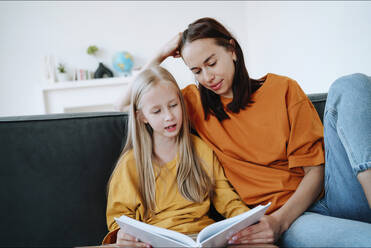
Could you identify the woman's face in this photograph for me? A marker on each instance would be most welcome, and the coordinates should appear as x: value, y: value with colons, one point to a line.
x: 211, y: 64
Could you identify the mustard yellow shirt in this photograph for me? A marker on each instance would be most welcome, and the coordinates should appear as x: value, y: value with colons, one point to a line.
x: 172, y: 211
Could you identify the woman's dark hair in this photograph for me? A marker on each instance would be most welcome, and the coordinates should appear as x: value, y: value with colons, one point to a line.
x: 242, y: 86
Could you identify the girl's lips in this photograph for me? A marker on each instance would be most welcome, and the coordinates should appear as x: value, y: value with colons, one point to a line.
x: 171, y: 128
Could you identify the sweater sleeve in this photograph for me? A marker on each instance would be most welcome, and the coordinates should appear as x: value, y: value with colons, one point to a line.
x: 226, y: 201
x: 305, y: 144
x: 122, y: 196
x: 193, y: 104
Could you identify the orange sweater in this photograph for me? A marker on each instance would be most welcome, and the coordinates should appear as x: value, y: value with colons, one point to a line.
x: 263, y: 147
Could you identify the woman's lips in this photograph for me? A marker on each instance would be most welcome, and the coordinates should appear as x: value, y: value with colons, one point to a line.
x: 217, y: 86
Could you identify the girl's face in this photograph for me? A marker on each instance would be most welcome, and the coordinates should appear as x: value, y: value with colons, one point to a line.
x: 161, y: 109
x: 211, y: 64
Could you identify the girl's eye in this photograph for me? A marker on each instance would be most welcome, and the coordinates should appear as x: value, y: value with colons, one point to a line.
x: 196, y: 72
x: 173, y: 105
x: 156, y: 111
x: 212, y: 64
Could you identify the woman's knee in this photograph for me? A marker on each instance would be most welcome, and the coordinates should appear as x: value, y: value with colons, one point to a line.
x: 353, y: 82
x: 354, y: 88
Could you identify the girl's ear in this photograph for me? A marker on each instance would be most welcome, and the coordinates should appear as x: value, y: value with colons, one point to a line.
x: 141, y: 116
x: 233, y: 50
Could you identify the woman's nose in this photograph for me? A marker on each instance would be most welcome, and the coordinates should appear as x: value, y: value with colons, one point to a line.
x: 209, y: 76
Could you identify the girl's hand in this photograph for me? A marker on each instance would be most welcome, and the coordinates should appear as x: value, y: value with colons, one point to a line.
x: 266, y: 231
x: 126, y: 240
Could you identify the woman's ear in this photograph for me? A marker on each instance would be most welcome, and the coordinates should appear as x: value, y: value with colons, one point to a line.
x: 233, y: 50
x: 141, y: 116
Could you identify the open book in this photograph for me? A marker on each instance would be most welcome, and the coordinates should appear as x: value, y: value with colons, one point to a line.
x: 214, y: 235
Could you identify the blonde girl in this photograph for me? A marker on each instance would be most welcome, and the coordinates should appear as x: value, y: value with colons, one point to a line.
x: 165, y: 176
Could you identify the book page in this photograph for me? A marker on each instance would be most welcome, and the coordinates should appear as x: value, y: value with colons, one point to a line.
x: 218, y: 234
x: 153, y: 235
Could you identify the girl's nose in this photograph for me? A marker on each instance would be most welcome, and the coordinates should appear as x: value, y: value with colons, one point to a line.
x: 169, y: 116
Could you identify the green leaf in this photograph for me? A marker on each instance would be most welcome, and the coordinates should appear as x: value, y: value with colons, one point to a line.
x: 92, y: 50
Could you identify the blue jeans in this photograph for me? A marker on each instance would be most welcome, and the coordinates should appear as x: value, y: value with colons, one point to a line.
x: 342, y: 218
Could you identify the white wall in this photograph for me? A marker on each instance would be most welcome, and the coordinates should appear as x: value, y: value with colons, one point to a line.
x: 312, y: 42
x: 29, y: 30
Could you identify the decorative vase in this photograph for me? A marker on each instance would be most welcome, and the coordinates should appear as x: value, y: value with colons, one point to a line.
x: 62, y: 77
x: 102, y: 72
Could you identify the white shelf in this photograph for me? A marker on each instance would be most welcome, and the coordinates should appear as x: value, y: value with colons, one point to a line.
x: 84, y: 95
x: 88, y: 83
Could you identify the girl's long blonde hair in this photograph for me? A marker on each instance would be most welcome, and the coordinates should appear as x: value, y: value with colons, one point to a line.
x: 193, y: 182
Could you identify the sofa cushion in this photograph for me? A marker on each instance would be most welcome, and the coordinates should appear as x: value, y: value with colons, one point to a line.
x: 54, y: 171
x: 319, y: 102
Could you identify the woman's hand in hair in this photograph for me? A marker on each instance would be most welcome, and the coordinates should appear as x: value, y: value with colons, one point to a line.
x: 170, y: 48
x: 126, y: 240
x: 266, y: 231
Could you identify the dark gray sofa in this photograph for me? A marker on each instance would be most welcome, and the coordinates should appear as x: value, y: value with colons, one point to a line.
x: 54, y: 172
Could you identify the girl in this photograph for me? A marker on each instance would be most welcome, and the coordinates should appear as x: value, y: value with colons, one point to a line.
x: 165, y: 176
x: 268, y: 137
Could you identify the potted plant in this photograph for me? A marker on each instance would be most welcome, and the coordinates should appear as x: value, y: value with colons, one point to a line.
x: 92, y: 50
x: 102, y: 71
x: 62, y: 73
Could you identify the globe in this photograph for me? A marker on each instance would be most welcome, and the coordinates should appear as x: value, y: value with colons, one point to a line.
x: 123, y: 62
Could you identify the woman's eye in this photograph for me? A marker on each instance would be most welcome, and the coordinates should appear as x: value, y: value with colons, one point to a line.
x: 212, y: 64
x: 173, y: 105
x: 156, y: 111
x: 196, y: 72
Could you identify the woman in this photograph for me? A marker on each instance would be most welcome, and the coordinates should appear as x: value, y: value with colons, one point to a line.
x: 269, y: 139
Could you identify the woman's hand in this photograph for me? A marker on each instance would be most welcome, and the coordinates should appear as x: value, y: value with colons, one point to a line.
x: 170, y: 48
x: 266, y: 231
x: 271, y: 227
x: 126, y: 240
